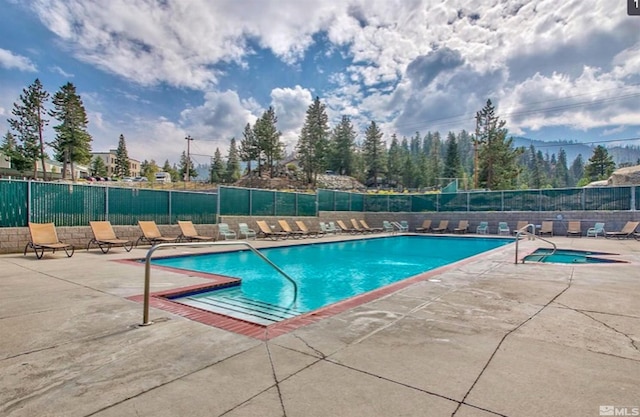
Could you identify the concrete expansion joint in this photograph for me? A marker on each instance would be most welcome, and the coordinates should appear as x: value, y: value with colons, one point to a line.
x: 504, y: 338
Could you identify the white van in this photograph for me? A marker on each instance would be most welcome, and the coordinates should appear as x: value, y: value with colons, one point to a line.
x: 164, y: 177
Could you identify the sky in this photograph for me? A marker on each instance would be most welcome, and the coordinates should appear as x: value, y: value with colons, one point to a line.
x: 157, y: 71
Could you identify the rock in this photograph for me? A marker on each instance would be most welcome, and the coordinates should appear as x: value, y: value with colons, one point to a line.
x: 625, y: 176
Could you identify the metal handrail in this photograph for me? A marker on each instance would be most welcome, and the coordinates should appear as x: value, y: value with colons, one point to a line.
x: 147, y: 269
x: 532, y: 236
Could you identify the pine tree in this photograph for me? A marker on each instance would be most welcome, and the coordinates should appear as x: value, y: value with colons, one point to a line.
x: 374, y: 153
x: 268, y: 139
x: 217, y: 171
x: 232, y: 173
x: 342, y: 148
x: 11, y: 149
x: 498, y: 169
x: 72, y: 142
x: 600, y: 165
x: 395, y: 162
x: 98, y: 168
x: 314, y: 141
x: 122, y: 168
x: 561, y: 179
x: 29, y: 124
x: 249, y: 150
x: 576, y: 172
x: 184, y: 163
x: 452, y: 168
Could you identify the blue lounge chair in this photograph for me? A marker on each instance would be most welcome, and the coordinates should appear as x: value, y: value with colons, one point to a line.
x: 225, y: 232
x: 483, y: 228
x: 596, y: 230
x: 503, y: 228
x: 245, y: 231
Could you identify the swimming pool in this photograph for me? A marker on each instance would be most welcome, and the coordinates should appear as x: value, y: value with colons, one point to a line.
x: 569, y: 256
x: 326, y: 273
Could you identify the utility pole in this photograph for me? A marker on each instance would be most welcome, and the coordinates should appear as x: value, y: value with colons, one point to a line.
x: 188, y: 139
x: 475, y: 153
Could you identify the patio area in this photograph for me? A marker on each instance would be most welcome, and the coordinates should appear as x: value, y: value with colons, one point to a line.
x: 483, y: 338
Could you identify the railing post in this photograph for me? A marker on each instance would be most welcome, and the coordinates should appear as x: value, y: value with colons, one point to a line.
x: 501, y: 200
x: 169, y: 208
x: 106, y: 203
x: 633, y: 198
x: 468, y: 201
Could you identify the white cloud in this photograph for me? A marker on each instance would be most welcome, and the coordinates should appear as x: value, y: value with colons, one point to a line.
x: 9, y: 60
x: 62, y: 72
x: 290, y: 106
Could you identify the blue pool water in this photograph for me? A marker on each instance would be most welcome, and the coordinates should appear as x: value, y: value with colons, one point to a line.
x: 329, y: 272
x: 568, y: 256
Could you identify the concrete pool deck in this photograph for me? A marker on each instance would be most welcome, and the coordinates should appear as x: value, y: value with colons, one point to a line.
x: 483, y: 338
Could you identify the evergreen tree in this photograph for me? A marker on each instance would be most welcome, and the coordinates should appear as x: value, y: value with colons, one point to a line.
x: 561, y: 179
x: 600, y: 165
x: 343, y: 147
x: 452, y: 168
x: 217, y: 172
x: 122, y: 168
x: 72, y: 142
x: 182, y: 169
x: 576, y: 172
x: 232, y: 173
x: 432, y: 162
x: 176, y: 176
x: 395, y: 162
x: 249, y: 150
x: 313, y: 142
x: 11, y: 150
x: 98, y: 168
x: 29, y: 124
x: 268, y: 139
x: 374, y: 153
x: 498, y: 169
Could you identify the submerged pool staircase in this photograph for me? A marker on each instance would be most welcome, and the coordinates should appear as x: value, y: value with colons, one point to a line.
x: 233, y: 303
x: 234, y: 306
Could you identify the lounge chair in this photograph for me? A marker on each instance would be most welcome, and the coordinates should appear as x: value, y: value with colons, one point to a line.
x: 284, y: 225
x: 443, y: 226
x: 359, y: 228
x: 426, y: 226
x: 346, y: 229
x: 245, y: 231
x: 483, y: 228
x: 105, y: 238
x: 226, y: 232
x: 151, y: 234
x: 503, y: 228
x: 188, y: 232
x: 574, y: 229
x: 43, y: 237
x: 324, y: 228
x: 265, y: 231
x: 463, y: 227
x: 520, y: 226
x: 400, y: 226
x: 388, y: 227
x: 597, y: 229
x: 365, y: 226
x: 627, y: 231
x: 546, y: 228
x: 302, y: 226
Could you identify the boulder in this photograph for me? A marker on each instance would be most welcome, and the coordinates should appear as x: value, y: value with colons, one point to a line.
x: 625, y: 176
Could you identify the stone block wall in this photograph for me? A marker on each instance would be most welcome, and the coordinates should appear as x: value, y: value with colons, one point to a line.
x: 14, y: 239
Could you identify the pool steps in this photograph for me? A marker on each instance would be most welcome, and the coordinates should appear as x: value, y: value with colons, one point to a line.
x: 232, y: 302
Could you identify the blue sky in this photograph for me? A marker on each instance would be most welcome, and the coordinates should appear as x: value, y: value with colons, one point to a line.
x: 159, y: 70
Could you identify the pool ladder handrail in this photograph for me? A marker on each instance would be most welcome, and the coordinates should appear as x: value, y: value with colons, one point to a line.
x: 532, y: 236
x: 147, y: 269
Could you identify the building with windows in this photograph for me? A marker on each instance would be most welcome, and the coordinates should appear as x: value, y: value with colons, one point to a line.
x: 109, y: 159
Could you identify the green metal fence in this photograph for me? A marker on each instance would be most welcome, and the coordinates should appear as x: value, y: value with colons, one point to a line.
x: 77, y: 204
x: 255, y: 202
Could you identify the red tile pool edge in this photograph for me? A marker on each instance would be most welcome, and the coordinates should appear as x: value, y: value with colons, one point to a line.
x: 261, y: 332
